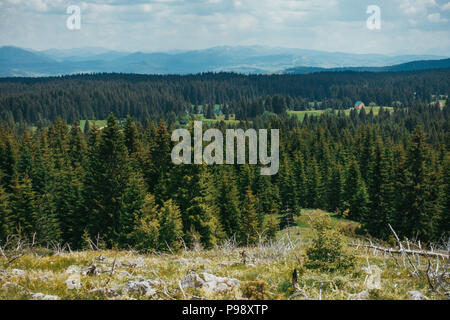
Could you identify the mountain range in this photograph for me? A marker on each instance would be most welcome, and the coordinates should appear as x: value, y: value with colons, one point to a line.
x: 16, y: 61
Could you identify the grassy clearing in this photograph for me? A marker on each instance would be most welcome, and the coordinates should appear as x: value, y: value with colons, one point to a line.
x: 266, y: 272
x: 301, y: 114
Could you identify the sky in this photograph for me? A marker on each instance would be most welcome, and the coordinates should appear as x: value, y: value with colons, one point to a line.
x: 407, y: 26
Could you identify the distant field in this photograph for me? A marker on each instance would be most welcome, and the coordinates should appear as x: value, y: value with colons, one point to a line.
x: 301, y: 114
x: 232, y: 119
x: 98, y: 123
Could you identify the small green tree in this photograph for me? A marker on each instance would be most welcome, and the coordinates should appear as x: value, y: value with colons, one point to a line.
x: 146, y: 231
x: 327, y: 250
x: 271, y: 225
x: 171, y: 226
x: 250, y: 225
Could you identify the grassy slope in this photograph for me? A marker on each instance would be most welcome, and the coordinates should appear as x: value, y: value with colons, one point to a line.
x: 272, y: 264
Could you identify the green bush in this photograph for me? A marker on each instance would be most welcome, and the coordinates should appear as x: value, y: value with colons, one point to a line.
x: 254, y: 290
x: 327, y: 250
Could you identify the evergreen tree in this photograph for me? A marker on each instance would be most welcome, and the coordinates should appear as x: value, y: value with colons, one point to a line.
x: 228, y: 203
x: 145, y: 234
x: 171, y: 230
x: 419, y: 204
x: 5, y: 212
x: 23, y: 206
x: 355, y: 193
x: 106, y: 182
x: 250, y: 224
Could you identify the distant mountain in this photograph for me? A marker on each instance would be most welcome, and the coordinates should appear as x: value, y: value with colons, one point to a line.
x: 409, y: 66
x: 242, y: 59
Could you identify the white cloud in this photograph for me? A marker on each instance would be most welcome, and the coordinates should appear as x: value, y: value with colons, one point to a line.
x: 415, y: 7
x: 436, y: 17
x: 151, y: 25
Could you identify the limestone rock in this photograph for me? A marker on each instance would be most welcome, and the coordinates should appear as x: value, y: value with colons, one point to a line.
x: 73, y: 282
x: 209, y: 282
x: 18, y: 272
x: 373, y: 280
x: 416, y: 295
x: 41, y: 296
x: 363, y: 295
x: 144, y: 287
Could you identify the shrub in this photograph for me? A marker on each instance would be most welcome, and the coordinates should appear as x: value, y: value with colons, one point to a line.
x: 326, y: 252
x: 255, y: 290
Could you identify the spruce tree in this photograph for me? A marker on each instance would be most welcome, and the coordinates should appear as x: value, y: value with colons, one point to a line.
x: 24, y: 215
x: 250, y: 224
x: 355, y: 193
x: 106, y: 181
x: 171, y: 226
x: 5, y: 212
x: 228, y: 203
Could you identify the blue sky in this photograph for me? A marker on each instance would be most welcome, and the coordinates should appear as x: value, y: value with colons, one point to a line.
x: 407, y: 26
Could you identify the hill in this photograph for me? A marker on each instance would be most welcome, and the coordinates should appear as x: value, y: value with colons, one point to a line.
x: 251, y: 59
x: 409, y: 66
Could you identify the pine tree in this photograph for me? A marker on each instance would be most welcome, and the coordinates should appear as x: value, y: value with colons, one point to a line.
x: 131, y: 136
x: 133, y: 202
x: 106, y: 181
x: 200, y: 217
x: 355, y: 193
x: 23, y: 219
x: 444, y: 219
x: 314, y: 185
x: 76, y: 146
x: 5, y: 212
x: 145, y: 234
x: 250, y: 224
x: 228, y: 203
x: 335, y: 189
x: 47, y: 223
x: 271, y: 226
x: 381, y: 192
x: 419, y: 205
x: 171, y: 230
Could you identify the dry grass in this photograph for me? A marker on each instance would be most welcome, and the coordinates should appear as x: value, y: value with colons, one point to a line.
x: 267, y: 265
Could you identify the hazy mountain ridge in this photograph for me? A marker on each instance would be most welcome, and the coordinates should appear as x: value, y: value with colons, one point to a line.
x: 251, y: 59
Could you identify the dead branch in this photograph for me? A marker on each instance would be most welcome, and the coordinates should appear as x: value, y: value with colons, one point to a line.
x: 398, y: 251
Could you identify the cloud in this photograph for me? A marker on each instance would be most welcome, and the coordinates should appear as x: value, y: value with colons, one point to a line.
x: 153, y: 25
x: 436, y: 17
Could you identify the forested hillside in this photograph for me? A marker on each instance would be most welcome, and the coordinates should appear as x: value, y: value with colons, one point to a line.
x: 118, y: 185
x: 40, y: 100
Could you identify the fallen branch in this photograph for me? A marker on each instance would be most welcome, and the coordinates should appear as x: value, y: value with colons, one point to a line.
x: 411, y: 252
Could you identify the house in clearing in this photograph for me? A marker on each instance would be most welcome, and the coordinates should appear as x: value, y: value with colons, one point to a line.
x: 359, y: 105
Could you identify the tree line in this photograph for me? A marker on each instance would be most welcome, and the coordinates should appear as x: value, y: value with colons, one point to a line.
x: 117, y: 184
x: 39, y: 101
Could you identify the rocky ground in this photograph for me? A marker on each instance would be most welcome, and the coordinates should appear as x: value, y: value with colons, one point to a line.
x: 227, y: 272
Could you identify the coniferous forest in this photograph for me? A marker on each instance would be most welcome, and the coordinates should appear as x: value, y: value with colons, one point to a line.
x: 63, y: 183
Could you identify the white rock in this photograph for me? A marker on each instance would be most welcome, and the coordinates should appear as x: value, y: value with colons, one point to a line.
x: 416, y: 295
x: 363, y: 295
x: 7, y: 285
x: 209, y: 282
x: 374, y: 277
x: 41, y: 296
x: 144, y: 287
x: 18, y: 272
x: 73, y: 270
x: 73, y: 282
x: 192, y: 280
